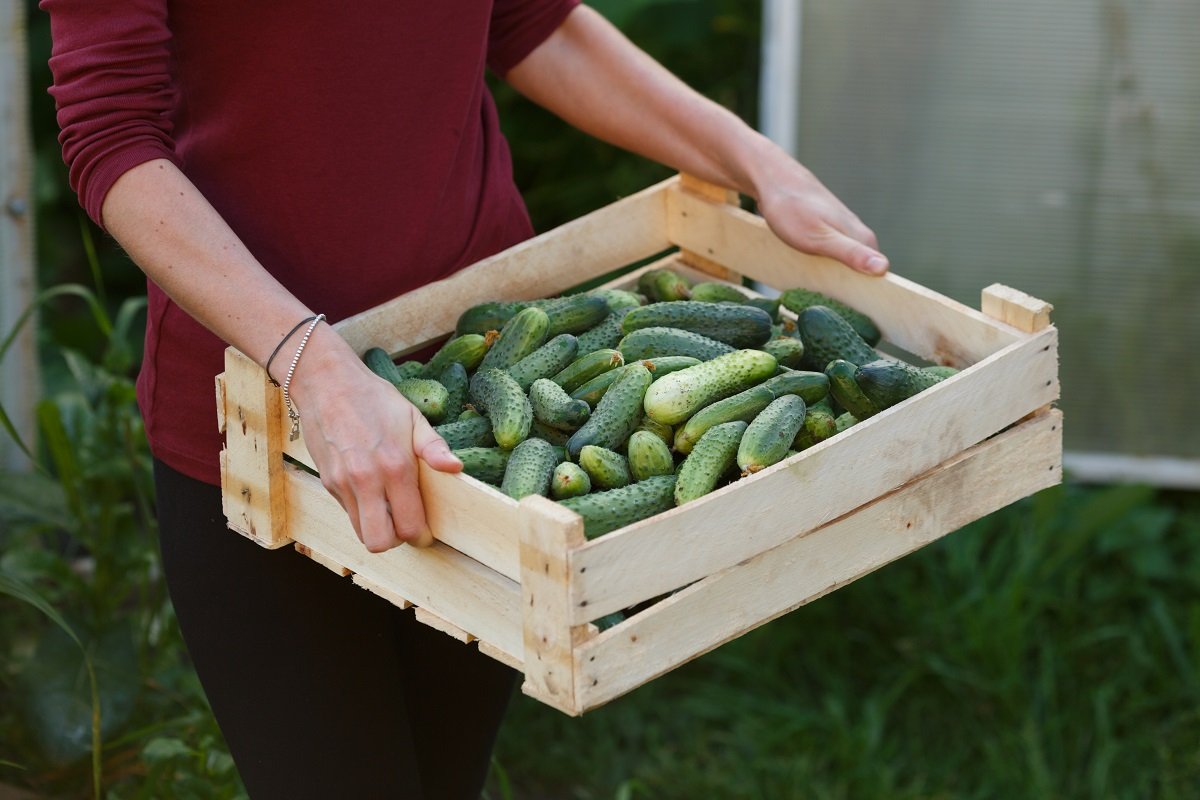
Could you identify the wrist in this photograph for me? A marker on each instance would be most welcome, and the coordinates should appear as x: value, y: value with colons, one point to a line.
x: 324, y: 363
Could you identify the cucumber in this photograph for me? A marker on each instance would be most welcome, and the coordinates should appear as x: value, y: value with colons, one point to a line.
x: 714, y: 292
x: 454, y: 378
x: 593, y: 390
x: 569, y: 480
x: 827, y: 337
x: 429, y: 396
x: 662, y: 285
x: 575, y: 314
x: 547, y: 360
x: 519, y: 337
x: 496, y: 393
x: 530, y: 468
x: 768, y: 437
x: 379, y: 362
x: 471, y: 432
x: 712, y: 456
x: 555, y: 408
x: 886, y: 382
x: 942, y: 371
x: 681, y: 394
x: 619, y: 299
x: 812, y: 386
x: 845, y: 420
x: 664, y: 432
x: 735, y: 325
x: 796, y: 300
x: 552, y: 435
x: 467, y: 350
x: 483, y: 463
x: 617, y: 413
x: 846, y: 391
x: 819, y: 425
x: 584, y: 368
x: 744, y: 406
x: 606, y: 335
x: 607, y: 511
x: 788, y: 352
x: 486, y: 317
x: 605, y: 468
x: 648, y: 456
x: 768, y: 304
x: 412, y: 369
x: 657, y: 342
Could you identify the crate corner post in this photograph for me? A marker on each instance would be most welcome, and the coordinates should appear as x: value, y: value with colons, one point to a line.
x: 717, y: 195
x: 1015, y: 308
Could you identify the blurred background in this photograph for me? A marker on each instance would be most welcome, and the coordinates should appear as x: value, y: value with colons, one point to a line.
x: 1049, y: 650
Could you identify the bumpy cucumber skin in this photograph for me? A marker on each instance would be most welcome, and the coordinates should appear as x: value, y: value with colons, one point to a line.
x: 812, y: 386
x: 648, y: 456
x: 664, y: 432
x: 827, y: 337
x: 496, y: 393
x: 744, y: 406
x: 661, y: 285
x: 607, y: 469
x: 593, y: 390
x: 619, y: 299
x: 796, y: 300
x: 819, y: 425
x: 472, y: 432
x: 569, y: 480
x: 429, y: 396
x: 606, y: 335
x: 467, y: 350
x: 454, y: 377
x: 714, y: 292
x: 681, y: 394
x: 411, y: 369
x: 486, y: 464
x: 617, y: 413
x: 379, y: 362
x: 530, y: 468
x: 734, y: 324
x: 519, y: 337
x: 586, y: 367
x: 575, y: 314
x: 767, y: 304
x: 555, y: 408
x: 658, y: 342
x: 768, y: 437
x: 552, y: 435
x: 547, y: 360
x: 788, y: 352
x: 887, y: 382
x: 845, y: 420
x: 607, y: 511
x: 711, y: 458
x: 846, y: 391
x: 486, y: 317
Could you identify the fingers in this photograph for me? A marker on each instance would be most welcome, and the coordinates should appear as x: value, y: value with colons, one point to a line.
x: 431, y: 448
x: 855, y: 254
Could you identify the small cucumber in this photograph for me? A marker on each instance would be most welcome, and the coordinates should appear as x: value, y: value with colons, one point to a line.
x: 547, y: 360
x: 712, y: 456
x: 714, y: 292
x: 619, y: 299
x: 681, y: 394
x: 530, y: 468
x: 827, y: 337
x: 607, y: 511
x: 584, y: 368
x: 735, y: 325
x: 796, y: 300
x: 617, y: 413
x: 788, y: 352
x: 496, y: 393
x: 606, y: 335
x: 379, y: 362
x: 467, y: 350
x: 575, y: 314
x: 555, y: 408
x: 519, y: 337
x: 767, y: 304
x: 605, y: 468
x: 472, y: 432
x: 429, y: 396
x: 744, y: 406
x: 454, y: 378
x: 768, y: 437
x: 664, y: 432
x: 886, y: 382
x: 486, y: 317
x: 483, y: 463
x: 593, y: 390
x: 845, y: 421
x: 819, y: 425
x: 657, y: 342
x: 648, y: 456
x: 846, y: 391
x: 552, y: 435
x: 663, y: 285
x: 412, y: 369
x: 569, y: 480
x: 812, y: 386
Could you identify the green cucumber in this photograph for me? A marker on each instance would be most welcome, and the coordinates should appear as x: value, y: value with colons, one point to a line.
x: 788, y: 352
x: 662, y: 285
x: 552, y: 435
x: 681, y: 394
x: 472, y: 432
x: 607, y: 511
x: 648, y: 456
x: 658, y: 342
x: 768, y: 437
x: 379, y: 362
x: 606, y: 469
x: 886, y: 382
x: 616, y: 415
x: 819, y: 425
x: 454, y: 378
x: 714, y: 292
x: 586, y: 367
x: 711, y: 458
x: 496, y: 393
x: 569, y: 480
x: 744, y: 406
x: 429, y: 396
x: 845, y: 421
x: 412, y: 369
x: 846, y: 391
x: 735, y: 325
x: 530, y: 468
x: 483, y: 463
x: 606, y: 335
x: 519, y: 337
x: 555, y: 408
x: 768, y: 304
x: 942, y: 371
x: 619, y: 299
x: 664, y: 432
x: 796, y: 300
x: 812, y: 386
x: 486, y: 317
x: 467, y: 350
x: 827, y: 337
x: 547, y: 360
x: 575, y: 314
x: 593, y: 390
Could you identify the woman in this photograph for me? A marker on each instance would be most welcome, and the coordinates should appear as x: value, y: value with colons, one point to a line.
x: 265, y: 163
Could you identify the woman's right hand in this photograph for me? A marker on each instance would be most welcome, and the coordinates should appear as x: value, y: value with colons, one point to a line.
x: 365, y: 439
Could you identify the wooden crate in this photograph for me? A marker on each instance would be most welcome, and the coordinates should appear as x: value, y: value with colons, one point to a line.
x: 521, y: 580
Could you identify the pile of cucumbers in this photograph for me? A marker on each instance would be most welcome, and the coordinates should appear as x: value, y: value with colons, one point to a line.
x: 623, y: 404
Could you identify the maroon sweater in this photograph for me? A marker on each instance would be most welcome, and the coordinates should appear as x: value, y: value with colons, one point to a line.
x: 353, y: 147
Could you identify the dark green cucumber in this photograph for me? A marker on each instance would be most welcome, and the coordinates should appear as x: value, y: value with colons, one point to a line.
x: 845, y: 421
x: 593, y: 390
x: 483, y: 463
x: 664, y: 432
x: 886, y: 382
x: 744, y: 406
x: 496, y: 393
x: 486, y: 317
x: 454, y: 378
x: 519, y: 337
x: 472, y: 432
x: 768, y: 437
x: 429, y: 396
x: 547, y: 360
x: 569, y: 480
x: 530, y: 468
x: 379, y: 362
x: 827, y: 337
x: 606, y: 469
x: 767, y: 304
x: 796, y: 300
x: 715, y: 292
x: 681, y: 394
x: 846, y: 391
x: 711, y: 458
x: 552, y: 435
x: 617, y: 413
x: 606, y: 335
x: 735, y: 325
x: 467, y: 350
x: 576, y: 313
x: 658, y: 342
x: 586, y: 367
x: 619, y: 299
x: 812, y: 386
x: 555, y: 408
x: 789, y: 352
x: 607, y: 511
x: 412, y: 369
x: 648, y: 456
x: 661, y: 285
x: 819, y: 425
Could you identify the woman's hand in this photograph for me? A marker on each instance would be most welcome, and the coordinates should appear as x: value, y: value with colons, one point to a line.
x: 366, y: 440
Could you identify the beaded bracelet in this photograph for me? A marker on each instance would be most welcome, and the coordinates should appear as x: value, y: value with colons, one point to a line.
x: 293, y: 415
x: 282, y: 342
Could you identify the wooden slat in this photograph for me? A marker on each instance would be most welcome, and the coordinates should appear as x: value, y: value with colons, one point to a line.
x: 1015, y: 308
x: 807, y: 490
x: 706, y: 614
x: 715, y: 194
x: 915, y: 318
x: 382, y: 591
x: 548, y: 531
x: 501, y: 656
x: 220, y: 387
x: 253, y: 494
x: 456, y: 588
x: 329, y: 564
x: 427, y: 617
x: 620, y: 233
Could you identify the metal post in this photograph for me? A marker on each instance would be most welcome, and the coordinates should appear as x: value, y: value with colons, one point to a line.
x: 779, y: 80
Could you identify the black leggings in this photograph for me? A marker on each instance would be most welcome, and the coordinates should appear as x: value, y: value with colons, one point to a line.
x: 322, y: 689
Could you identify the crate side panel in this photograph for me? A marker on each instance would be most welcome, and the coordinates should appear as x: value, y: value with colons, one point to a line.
x: 822, y: 483
x: 706, y: 614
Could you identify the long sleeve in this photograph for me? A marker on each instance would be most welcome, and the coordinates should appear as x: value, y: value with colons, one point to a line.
x: 519, y: 26
x: 112, y: 88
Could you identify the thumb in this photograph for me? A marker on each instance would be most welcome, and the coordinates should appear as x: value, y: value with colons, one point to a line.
x: 856, y: 255
x: 432, y: 448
